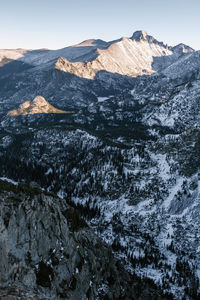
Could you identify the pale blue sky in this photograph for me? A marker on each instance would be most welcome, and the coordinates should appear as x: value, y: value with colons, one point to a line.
x: 59, y: 23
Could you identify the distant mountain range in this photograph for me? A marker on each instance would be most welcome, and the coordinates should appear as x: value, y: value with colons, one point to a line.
x: 137, y: 55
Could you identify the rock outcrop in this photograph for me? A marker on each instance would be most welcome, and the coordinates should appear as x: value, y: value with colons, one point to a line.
x: 38, y: 106
x: 47, y: 250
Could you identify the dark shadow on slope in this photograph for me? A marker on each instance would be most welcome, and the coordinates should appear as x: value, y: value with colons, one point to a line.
x: 162, y: 62
x: 14, y: 67
x: 5, y: 61
x: 64, y: 90
x: 69, y: 92
x: 78, y: 95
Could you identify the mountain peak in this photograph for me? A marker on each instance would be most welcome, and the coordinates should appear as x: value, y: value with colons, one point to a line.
x: 39, y: 101
x: 38, y: 106
x: 182, y: 48
x: 93, y: 43
x: 142, y: 35
x: 139, y: 35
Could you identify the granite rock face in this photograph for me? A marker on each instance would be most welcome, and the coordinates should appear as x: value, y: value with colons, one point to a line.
x: 47, y: 250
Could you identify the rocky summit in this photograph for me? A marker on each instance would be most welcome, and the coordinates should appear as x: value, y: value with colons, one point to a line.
x: 38, y: 106
x: 100, y: 175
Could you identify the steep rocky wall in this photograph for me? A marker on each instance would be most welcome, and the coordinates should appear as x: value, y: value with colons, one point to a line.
x: 47, y: 249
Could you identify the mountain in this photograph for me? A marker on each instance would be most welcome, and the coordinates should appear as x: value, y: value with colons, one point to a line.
x: 42, y: 56
x: 182, y: 48
x: 127, y: 56
x: 82, y: 73
x: 185, y: 67
x: 38, y: 106
x: 125, y: 165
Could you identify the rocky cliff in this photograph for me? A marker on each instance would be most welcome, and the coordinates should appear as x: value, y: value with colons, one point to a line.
x: 47, y: 250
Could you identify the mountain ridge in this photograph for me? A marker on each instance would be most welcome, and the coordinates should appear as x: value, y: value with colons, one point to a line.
x: 132, y: 56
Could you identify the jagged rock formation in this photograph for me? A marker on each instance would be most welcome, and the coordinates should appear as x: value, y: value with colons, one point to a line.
x: 38, y: 106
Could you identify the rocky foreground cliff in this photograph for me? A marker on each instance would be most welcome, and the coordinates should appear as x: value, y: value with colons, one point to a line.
x: 48, y: 252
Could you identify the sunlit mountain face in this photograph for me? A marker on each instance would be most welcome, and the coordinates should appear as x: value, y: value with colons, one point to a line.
x: 38, y: 106
x: 138, y: 55
x: 99, y: 167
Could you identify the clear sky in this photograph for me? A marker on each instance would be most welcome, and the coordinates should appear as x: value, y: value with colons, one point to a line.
x: 58, y: 23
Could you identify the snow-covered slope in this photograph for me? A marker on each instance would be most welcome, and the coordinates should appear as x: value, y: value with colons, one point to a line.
x: 143, y: 200
x: 185, y: 66
x: 180, y: 110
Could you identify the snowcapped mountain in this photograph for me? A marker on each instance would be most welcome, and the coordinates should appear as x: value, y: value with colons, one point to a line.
x: 128, y: 56
x: 138, y: 55
x: 127, y: 159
